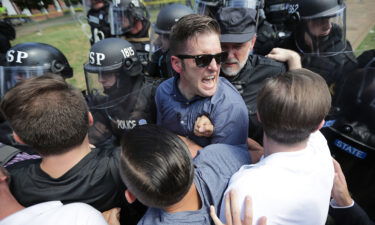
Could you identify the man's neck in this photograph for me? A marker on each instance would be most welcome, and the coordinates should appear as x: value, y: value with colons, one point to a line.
x: 271, y: 146
x: 58, y: 165
x: 184, y: 89
x: 8, y: 204
x: 190, y: 202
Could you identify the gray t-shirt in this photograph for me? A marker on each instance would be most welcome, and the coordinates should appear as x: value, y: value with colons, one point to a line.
x: 214, y: 166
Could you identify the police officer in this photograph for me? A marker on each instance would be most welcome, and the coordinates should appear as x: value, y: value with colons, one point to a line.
x: 319, y: 36
x: 98, y: 20
x: 120, y: 96
x: 247, y: 71
x: 352, y: 136
x: 268, y: 35
x: 24, y: 61
x: 160, y: 65
x: 131, y: 20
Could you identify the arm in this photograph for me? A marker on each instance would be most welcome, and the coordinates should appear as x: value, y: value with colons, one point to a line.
x: 255, y: 149
x: 232, y: 212
x: 287, y: 56
x: 112, y: 216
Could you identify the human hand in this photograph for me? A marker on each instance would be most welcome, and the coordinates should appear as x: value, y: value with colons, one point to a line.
x: 203, y: 127
x: 287, y: 56
x: 112, y: 216
x: 232, y: 212
x: 255, y: 149
x: 340, y: 192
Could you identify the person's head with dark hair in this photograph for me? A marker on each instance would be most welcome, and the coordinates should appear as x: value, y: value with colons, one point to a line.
x: 293, y: 105
x: 156, y: 166
x: 191, y: 27
x: 47, y: 114
x: 196, y: 55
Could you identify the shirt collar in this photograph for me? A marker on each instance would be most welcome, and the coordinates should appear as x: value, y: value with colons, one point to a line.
x: 178, y: 96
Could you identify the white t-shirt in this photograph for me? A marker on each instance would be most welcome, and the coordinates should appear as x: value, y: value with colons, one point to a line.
x: 54, y: 212
x: 289, y: 188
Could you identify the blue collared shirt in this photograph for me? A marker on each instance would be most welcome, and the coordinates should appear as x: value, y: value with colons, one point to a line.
x: 226, y: 110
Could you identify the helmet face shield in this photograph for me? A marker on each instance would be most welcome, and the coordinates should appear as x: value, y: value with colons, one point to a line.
x: 159, y: 41
x: 122, y: 107
x: 101, y: 85
x: 207, y: 8
x: 121, y: 21
x: 322, y: 35
x: 250, y: 4
x: 11, y: 75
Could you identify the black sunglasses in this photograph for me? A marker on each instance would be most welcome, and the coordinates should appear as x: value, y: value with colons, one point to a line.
x: 205, y: 59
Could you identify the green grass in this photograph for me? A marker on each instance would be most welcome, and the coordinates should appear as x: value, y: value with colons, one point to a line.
x: 367, y: 43
x: 68, y: 38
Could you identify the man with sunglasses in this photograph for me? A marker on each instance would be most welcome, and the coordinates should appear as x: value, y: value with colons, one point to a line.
x: 198, y: 90
x: 247, y: 71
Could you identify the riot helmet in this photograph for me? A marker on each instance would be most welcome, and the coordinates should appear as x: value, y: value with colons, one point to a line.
x: 111, y: 62
x: 32, y: 59
x: 281, y: 12
x: 124, y: 14
x: 208, y: 7
x: 322, y: 26
x: 258, y: 5
x: 167, y: 17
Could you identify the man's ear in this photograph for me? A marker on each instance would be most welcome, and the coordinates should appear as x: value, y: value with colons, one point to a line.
x: 320, y: 125
x: 176, y: 63
x: 91, y: 119
x: 253, y: 41
x: 129, y: 196
x: 18, y: 139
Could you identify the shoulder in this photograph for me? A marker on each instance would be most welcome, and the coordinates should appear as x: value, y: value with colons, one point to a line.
x: 258, y: 60
x: 226, y: 91
x: 166, y: 86
x: 222, y: 157
x: 23, y: 166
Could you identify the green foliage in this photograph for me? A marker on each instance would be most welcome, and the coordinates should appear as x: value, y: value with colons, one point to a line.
x: 70, y: 40
x: 368, y: 43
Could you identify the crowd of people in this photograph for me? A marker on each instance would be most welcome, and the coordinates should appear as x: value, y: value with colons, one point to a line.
x: 209, y: 116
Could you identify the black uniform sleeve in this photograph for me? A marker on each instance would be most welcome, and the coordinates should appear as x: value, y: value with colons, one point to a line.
x: 350, y: 216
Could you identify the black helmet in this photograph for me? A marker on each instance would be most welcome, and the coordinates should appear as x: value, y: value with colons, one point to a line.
x: 322, y: 27
x: 31, y: 59
x: 30, y: 55
x: 319, y: 8
x: 113, y: 54
x: 169, y: 15
x: 129, y: 11
x: 114, y: 57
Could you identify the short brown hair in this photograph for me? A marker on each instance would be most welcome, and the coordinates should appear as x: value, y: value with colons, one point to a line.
x: 47, y: 113
x: 189, y: 27
x: 291, y: 106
